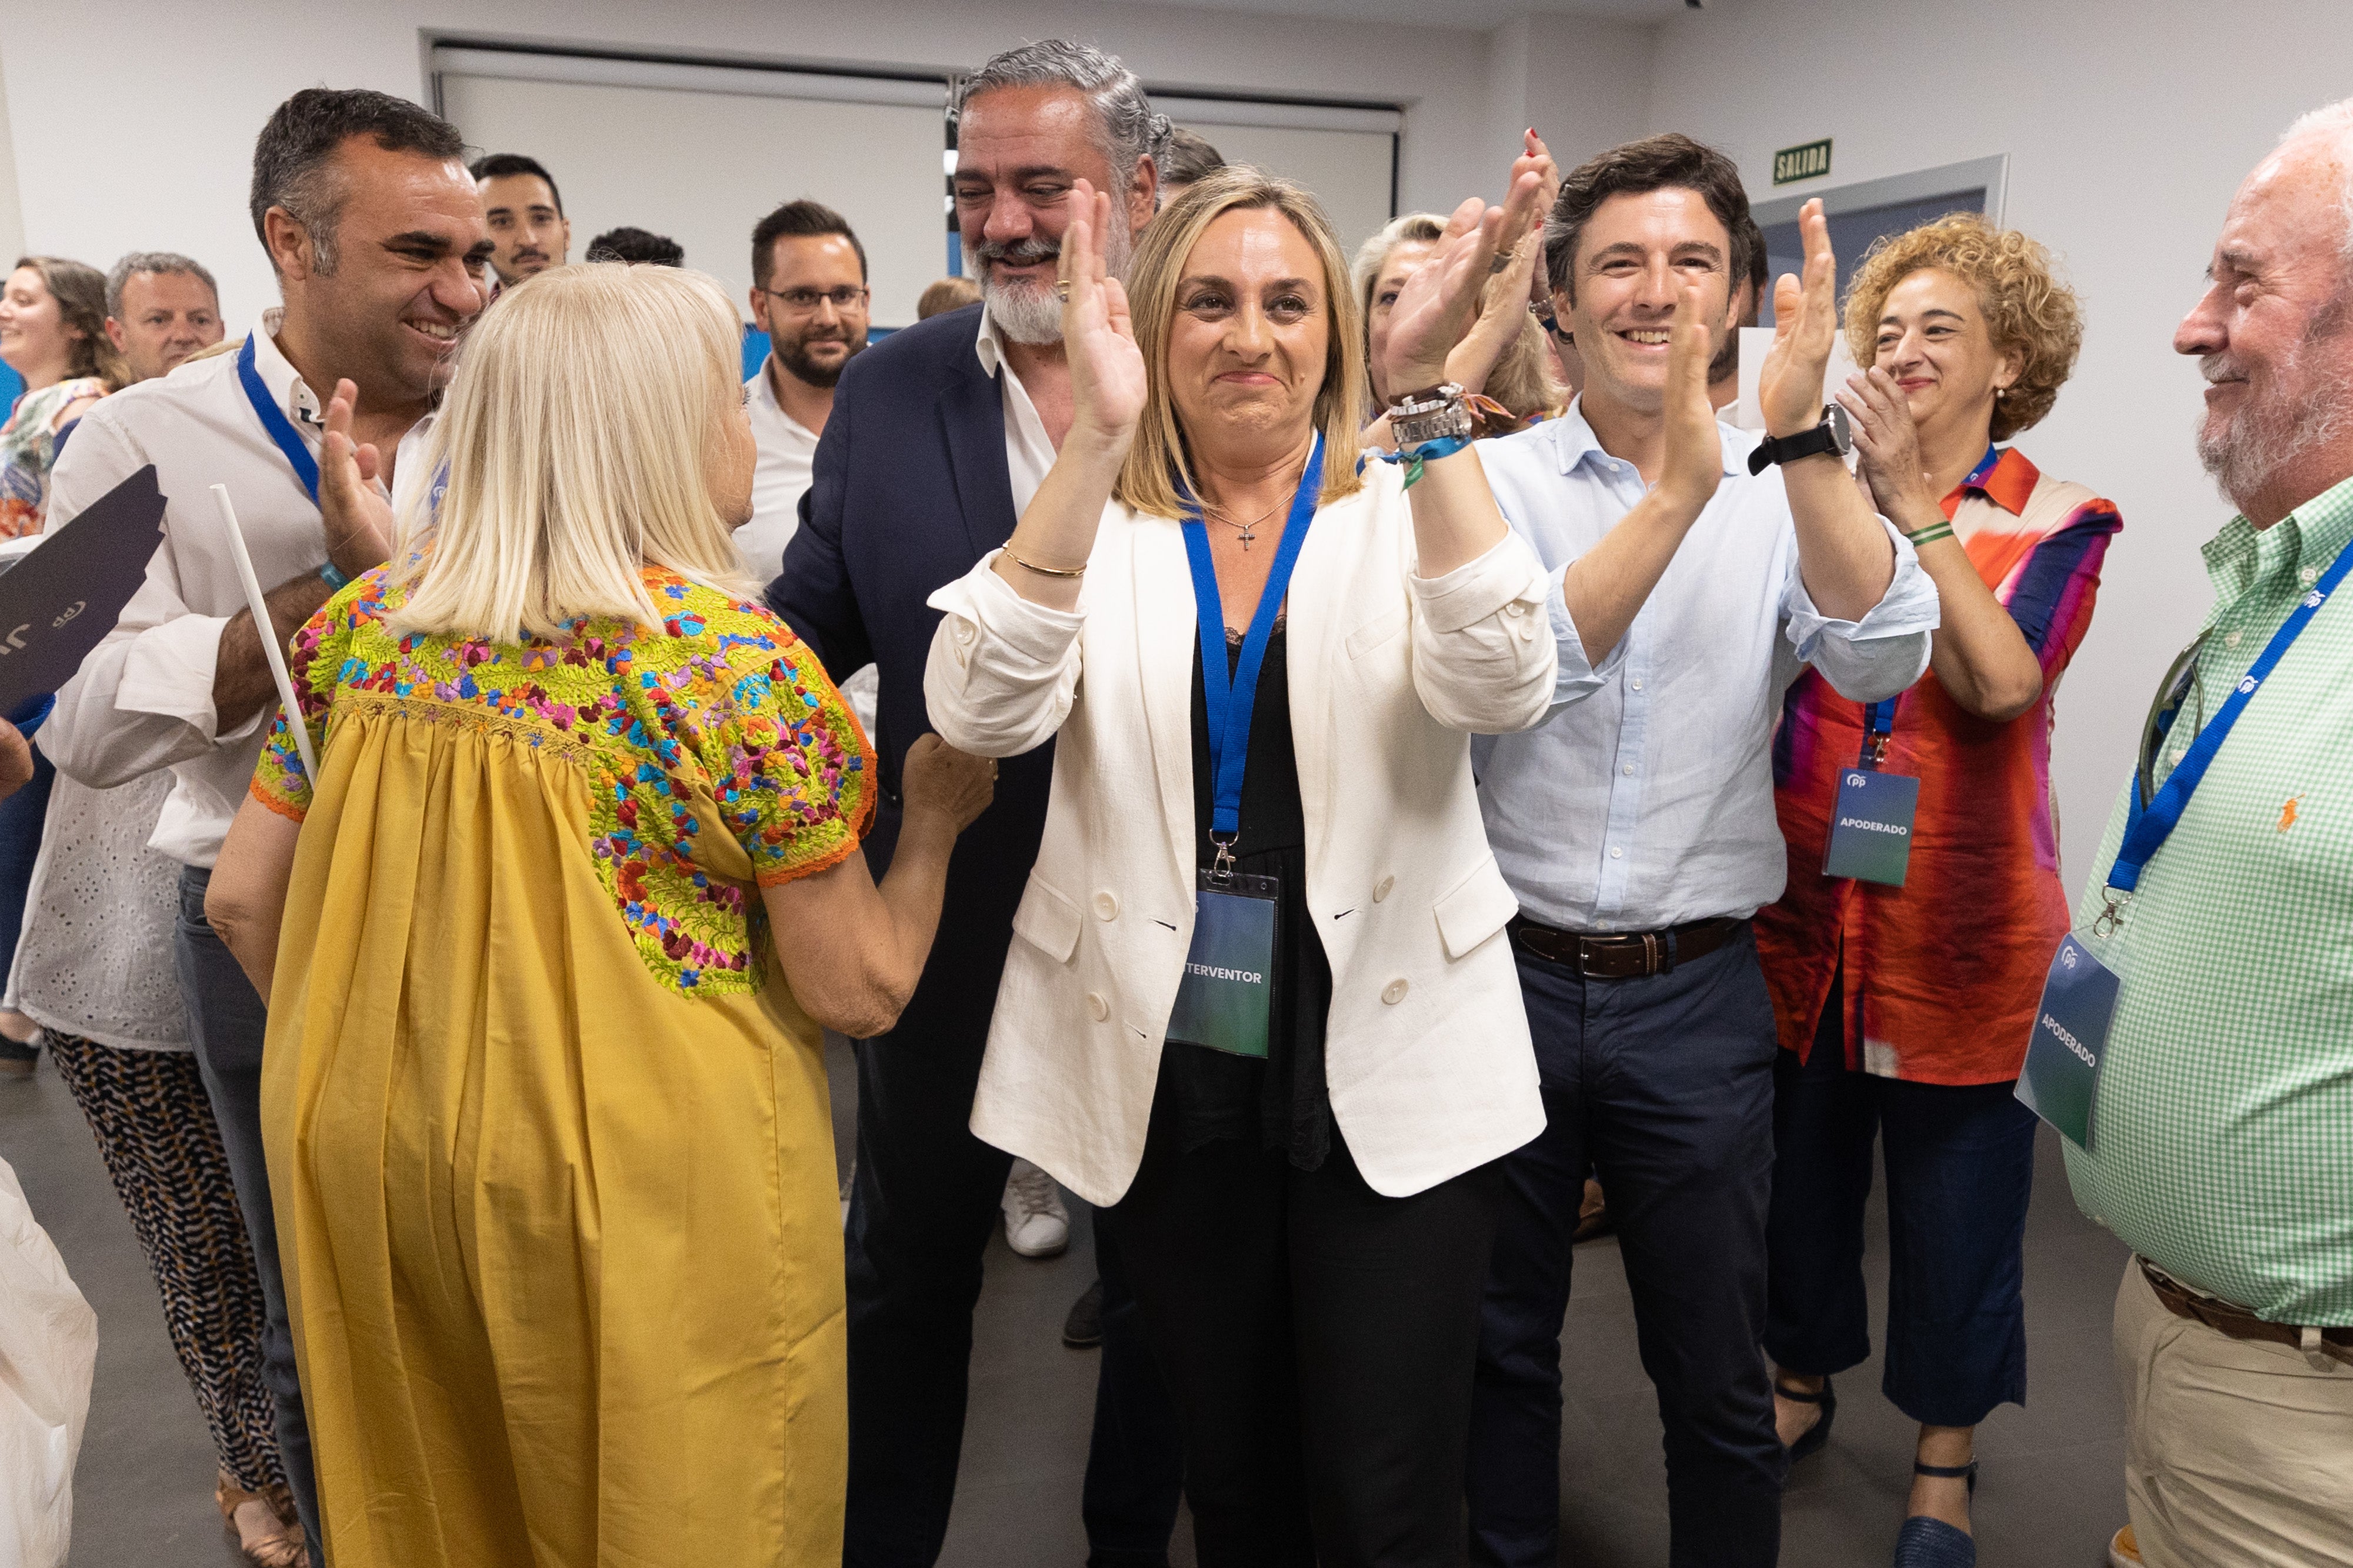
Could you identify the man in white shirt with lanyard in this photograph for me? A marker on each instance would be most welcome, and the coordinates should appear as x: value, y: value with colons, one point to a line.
x: 1636, y: 825
x: 373, y: 228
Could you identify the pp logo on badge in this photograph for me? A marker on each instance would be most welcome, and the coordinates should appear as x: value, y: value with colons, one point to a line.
x: 1854, y: 780
x: 2067, y: 956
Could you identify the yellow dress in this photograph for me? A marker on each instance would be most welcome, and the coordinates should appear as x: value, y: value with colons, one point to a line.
x: 548, y: 1136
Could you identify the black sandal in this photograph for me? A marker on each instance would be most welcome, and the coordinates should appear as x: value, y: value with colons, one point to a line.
x: 18, y: 1060
x: 1810, y: 1440
x: 1927, y: 1542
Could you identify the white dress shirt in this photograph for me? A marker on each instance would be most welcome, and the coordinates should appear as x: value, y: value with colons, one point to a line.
x: 1029, y: 450
x: 143, y: 697
x: 1645, y: 798
x: 787, y: 449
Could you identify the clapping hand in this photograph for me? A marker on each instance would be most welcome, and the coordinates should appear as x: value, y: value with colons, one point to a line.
x: 1107, y: 376
x: 1694, y: 449
x: 1502, y: 311
x: 1437, y: 304
x: 1805, y: 326
x: 1888, y: 445
x: 352, y: 502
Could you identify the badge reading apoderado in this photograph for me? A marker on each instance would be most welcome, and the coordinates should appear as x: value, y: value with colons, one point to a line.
x: 2062, y: 1079
x: 1871, y: 826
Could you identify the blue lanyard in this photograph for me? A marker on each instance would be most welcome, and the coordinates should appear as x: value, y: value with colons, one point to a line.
x: 273, y: 419
x: 1230, y: 699
x: 1878, y: 724
x: 2147, y: 828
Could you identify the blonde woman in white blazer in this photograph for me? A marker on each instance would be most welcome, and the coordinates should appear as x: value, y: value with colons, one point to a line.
x: 1308, y: 1229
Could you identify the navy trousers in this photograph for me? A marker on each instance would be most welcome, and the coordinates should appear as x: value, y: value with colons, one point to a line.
x: 227, y: 1020
x: 1665, y: 1084
x: 1960, y: 1166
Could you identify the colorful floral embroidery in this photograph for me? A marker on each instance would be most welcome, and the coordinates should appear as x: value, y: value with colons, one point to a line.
x: 725, y: 712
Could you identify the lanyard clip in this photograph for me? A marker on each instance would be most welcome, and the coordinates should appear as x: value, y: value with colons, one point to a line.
x: 2112, y: 916
x: 1222, y: 871
x: 1875, y: 747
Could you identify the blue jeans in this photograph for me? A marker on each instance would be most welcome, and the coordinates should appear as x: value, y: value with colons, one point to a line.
x: 1960, y: 1165
x: 1665, y: 1085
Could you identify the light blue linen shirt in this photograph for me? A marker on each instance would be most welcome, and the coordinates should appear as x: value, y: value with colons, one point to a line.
x: 1645, y: 798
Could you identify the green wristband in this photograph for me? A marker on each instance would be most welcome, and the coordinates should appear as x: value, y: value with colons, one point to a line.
x: 1930, y: 534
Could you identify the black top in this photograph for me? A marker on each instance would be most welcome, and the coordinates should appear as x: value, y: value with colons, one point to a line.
x: 1283, y: 1101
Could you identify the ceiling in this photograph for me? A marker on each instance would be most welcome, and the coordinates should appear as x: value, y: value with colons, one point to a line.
x: 1475, y: 16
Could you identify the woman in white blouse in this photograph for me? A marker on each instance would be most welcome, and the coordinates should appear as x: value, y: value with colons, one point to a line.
x: 1259, y: 1007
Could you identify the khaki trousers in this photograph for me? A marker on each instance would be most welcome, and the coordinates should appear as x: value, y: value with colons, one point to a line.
x: 2238, y: 1454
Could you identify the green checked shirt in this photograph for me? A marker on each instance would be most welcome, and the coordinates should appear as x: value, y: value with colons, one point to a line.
x: 2222, y: 1133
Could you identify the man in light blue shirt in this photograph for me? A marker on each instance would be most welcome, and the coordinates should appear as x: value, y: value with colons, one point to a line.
x: 1637, y: 826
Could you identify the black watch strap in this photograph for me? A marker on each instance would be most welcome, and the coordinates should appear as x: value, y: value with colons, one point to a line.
x: 1790, y: 448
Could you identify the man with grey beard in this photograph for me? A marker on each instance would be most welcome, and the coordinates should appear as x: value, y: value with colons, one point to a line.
x: 938, y: 438
x: 2220, y: 1101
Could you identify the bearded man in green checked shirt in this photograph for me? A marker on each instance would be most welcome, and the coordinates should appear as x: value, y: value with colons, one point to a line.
x: 2221, y: 1146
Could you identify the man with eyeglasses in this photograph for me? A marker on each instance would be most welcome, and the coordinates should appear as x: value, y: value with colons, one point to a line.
x: 809, y: 294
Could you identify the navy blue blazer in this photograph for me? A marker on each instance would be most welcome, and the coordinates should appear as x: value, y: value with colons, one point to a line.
x: 909, y: 489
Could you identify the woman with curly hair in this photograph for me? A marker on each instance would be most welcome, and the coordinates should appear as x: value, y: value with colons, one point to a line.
x: 1904, y: 1009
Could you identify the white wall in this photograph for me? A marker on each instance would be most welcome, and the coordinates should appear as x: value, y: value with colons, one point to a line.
x: 2129, y: 123
x: 165, y: 165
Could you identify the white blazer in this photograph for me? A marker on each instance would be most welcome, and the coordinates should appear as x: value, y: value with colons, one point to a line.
x: 1427, y: 1053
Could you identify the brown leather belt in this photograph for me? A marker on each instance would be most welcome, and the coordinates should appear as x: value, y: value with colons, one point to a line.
x: 1627, y: 957
x: 2238, y: 1322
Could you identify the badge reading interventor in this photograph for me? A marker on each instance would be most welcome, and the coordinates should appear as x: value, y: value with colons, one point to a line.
x: 60, y: 601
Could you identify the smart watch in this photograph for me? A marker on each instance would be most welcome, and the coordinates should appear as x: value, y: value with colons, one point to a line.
x: 1832, y: 435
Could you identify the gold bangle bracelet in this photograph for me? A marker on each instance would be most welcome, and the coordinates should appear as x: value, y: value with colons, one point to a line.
x: 1044, y: 571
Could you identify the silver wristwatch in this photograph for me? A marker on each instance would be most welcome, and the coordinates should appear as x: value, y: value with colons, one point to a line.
x: 1433, y: 414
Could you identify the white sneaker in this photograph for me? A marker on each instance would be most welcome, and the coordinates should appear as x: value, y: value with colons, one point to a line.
x: 1036, y: 1223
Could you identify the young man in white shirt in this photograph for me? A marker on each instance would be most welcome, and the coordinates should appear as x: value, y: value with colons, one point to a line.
x: 1636, y: 826
x: 809, y: 295
x: 371, y: 225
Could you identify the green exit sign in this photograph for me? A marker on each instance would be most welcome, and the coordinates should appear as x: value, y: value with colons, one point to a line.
x: 1807, y: 162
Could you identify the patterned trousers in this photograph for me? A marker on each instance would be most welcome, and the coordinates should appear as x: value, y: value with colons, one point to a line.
x: 155, y: 1131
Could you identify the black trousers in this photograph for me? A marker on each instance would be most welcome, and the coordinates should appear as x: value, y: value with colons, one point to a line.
x: 228, y: 1019
x: 1318, y: 1340
x: 1663, y: 1086
x: 921, y: 1206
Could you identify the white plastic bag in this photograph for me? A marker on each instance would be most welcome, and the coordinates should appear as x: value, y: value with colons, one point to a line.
x: 48, y: 1347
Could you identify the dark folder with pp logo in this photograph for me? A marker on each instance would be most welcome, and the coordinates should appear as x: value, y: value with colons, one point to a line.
x: 58, y: 601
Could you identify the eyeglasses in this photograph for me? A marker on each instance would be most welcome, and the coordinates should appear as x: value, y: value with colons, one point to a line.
x: 805, y: 301
x: 2179, y: 681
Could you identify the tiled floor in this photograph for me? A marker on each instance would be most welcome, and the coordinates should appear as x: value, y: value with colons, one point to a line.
x: 2051, y: 1493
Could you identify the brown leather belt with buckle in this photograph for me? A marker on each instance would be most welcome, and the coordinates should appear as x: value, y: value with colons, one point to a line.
x: 2238, y: 1322
x: 1627, y: 957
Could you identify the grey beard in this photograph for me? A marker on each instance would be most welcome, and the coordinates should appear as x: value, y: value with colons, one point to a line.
x: 2259, y: 442
x: 1033, y: 314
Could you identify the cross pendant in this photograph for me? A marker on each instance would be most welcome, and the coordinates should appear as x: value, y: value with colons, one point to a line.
x: 1247, y: 534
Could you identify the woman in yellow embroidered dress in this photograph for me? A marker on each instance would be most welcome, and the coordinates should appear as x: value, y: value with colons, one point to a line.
x: 561, y: 920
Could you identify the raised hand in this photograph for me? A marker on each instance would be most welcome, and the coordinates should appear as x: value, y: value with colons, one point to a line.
x: 1538, y: 159
x: 1436, y: 308
x: 1694, y: 449
x: 1107, y: 375
x: 1888, y: 445
x: 353, y: 502
x: 1805, y: 326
